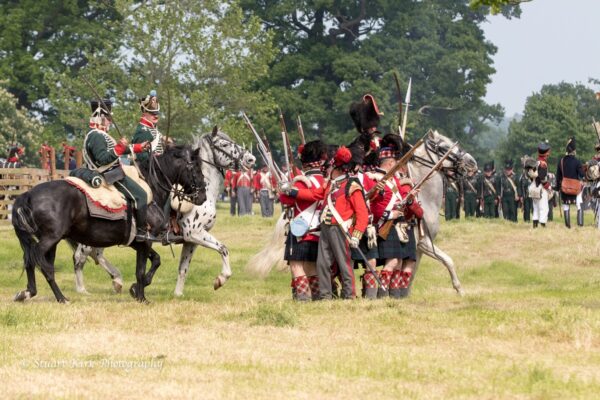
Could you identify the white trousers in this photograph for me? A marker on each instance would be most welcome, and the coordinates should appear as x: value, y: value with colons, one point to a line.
x: 540, y: 208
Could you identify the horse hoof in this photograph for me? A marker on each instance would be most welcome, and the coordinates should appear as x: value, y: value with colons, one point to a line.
x: 83, y: 291
x: 133, y: 291
x: 460, y: 291
x: 219, y: 281
x: 178, y: 294
x: 22, y: 296
x: 64, y: 300
x: 117, y: 286
x: 143, y: 301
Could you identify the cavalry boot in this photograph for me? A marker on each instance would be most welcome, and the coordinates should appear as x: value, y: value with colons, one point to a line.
x: 535, y: 223
x: 384, y: 277
x: 142, y: 234
x: 567, y: 214
x: 302, y: 287
x: 406, y: 278
x: 369, y: 286
x: 313, y: 282
x: 580, y: 217
x: 396, y: 284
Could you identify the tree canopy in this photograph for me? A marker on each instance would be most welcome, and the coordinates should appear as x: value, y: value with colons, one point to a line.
x: 555, y: 113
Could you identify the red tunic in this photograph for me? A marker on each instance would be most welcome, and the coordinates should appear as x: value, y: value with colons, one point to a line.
x: 299, y: 205
x: 351, y: 206
x: 260, y: 179
x: 228, y: 181
x: 242, y: 179
x: 380, y: 201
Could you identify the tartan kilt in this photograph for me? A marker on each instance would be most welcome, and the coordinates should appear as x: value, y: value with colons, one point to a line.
x: 393, y: 248
x: 369, y: 253
x: 304, y: 250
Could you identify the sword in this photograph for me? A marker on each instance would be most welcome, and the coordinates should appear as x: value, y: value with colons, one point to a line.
x: 87, y: 82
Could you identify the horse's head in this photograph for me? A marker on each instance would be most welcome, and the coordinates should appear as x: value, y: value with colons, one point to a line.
x: 458, y: 162
x: 224, y: 152
x: 181, y: 165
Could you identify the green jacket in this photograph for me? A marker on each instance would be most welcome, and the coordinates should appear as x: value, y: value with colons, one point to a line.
x: 507, y: 189
x: 99, y: 150
x: 144, y: 133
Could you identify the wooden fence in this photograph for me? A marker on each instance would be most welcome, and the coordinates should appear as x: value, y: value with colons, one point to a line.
x: 14, y: 181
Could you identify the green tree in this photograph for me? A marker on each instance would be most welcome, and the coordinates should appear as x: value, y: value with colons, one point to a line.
x: 17, y: 127
x: 202, y: 58
x: 497, y: 6
x: 556, y: 113
x: 334, y: 51
x: 50, y: 35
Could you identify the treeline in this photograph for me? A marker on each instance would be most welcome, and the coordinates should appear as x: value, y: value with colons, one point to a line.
x: 208, y: 60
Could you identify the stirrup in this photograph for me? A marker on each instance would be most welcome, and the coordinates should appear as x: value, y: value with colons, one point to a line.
x: 170, y: 238
x: 145, y: 236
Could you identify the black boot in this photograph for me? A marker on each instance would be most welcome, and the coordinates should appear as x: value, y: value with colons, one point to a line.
x: 535, y: 223
x: 142, y: 234
x: 543, y: 225
x: 580, y: 217
x: 568, y: 218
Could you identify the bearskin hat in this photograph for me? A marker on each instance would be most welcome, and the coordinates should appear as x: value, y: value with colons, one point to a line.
x: 571, y: 146
x: 311, y: 152
x: 365, y: 114
x: 149, y: 104
x: 101, y: 108
x: 543, y: 148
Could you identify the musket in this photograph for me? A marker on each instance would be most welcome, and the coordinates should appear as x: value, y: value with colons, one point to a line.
x: 287, y: 148
x: 407, y: 102
x: 270, y: 153
x: 399, y: 93
x: 262, y: 149
x: 300, y: 129
x: 400, y: 163
x: 87, y: 82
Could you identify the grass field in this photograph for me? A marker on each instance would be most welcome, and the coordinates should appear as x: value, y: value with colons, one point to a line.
x: 528, y: 326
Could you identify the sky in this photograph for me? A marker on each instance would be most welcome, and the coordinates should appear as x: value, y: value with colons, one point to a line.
x: 553, y: 41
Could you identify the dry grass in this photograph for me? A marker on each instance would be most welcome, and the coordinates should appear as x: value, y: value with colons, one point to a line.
x: 527, y: 328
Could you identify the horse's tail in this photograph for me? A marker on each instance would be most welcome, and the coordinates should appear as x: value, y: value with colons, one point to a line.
x: 271, y: 254
x: 26, y: 228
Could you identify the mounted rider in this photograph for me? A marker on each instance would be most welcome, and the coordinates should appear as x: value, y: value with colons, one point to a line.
x: 366, y: 115
x: 101, y: 154
x: 146, y: 131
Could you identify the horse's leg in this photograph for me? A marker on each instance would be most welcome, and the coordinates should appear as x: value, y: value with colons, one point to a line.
x: 184, y: 264
x: 117, y: 279
x: 431, y: 250
x: 137, y: 289
x: 155, y: 263
x: 47, y: 268
x: 205, y: 239
x: 31, y: 290
x: 80, y: 256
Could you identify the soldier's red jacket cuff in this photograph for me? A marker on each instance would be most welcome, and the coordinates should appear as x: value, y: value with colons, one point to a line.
x: 120, y: 149
x: 137, y: 148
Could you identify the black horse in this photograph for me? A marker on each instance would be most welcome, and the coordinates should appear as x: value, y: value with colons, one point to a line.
x: 56, y: 210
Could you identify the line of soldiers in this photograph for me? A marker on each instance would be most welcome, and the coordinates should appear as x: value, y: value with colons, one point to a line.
x: 246, y: 185
x: 343, y: 213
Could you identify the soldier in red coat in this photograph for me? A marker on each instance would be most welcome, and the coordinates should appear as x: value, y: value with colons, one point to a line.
x: 345, y: 211
x: 301, y: 247
x: 228, y: 183
x: 242, y: 186
x: 264, y: 182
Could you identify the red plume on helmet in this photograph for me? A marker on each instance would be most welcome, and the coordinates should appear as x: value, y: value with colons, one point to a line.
x: 300, y: 150
x: 342, y: 156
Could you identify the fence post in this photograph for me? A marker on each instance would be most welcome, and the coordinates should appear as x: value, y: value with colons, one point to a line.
x: 52, y: 163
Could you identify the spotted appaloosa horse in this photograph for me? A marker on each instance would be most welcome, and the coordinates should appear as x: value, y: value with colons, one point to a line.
x: 218, y: 152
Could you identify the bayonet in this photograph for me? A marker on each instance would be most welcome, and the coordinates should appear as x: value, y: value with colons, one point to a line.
x: 399, y: 93
x: 300, y: 129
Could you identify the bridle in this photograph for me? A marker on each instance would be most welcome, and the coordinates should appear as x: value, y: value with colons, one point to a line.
x: 237, y: 160
x: 437, y: 148
x: 154, y: 169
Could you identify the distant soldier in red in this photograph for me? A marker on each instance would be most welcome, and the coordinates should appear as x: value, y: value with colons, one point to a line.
x: 228, y: 183
x: 45, y: 154
x: 302, y: 244
x: 264, y: 182
x: 345, y: 210
x: 242, y: 186
x: 69, y: 156
x: 14, y: 155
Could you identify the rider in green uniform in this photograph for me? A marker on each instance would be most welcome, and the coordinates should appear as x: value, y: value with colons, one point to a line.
x: 101, y: 154
x: 146, y: 130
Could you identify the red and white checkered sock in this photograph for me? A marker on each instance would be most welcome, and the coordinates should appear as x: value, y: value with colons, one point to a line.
x: 396, y: 281
x: 406, y: 275
x: 301, y: 285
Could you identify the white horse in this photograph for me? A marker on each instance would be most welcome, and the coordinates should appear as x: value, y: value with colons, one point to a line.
x: 218, y: 152
x: 431, y: 196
